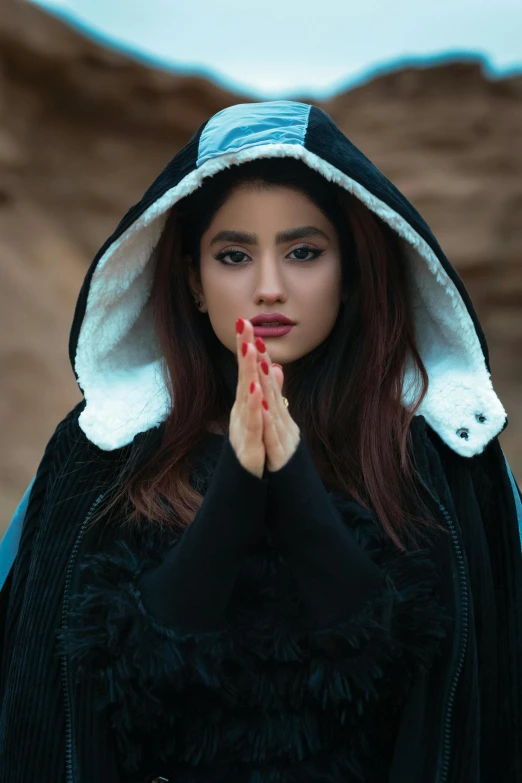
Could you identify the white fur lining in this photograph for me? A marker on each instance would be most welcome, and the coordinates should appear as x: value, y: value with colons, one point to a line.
x: 118, y: 361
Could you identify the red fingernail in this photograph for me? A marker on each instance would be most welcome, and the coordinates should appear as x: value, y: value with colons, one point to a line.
x: 252, y: 387
x: 265, y: 404
x: 264, y: 366
x: 240, y: 325
x: 244, y: 347
x: 260, y: 345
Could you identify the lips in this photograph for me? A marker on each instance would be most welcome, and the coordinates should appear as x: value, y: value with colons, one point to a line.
x: 273, y: 330
x: 273, y: 319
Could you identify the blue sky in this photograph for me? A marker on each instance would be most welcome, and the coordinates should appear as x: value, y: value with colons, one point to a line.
x: 278, y: 48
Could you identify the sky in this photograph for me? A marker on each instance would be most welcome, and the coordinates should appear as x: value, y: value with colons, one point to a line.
x: 280, y: 48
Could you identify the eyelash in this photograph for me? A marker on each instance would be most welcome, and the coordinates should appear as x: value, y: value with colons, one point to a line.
x: 224, y: 253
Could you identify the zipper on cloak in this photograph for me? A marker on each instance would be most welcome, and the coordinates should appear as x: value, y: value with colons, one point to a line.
x: 462, y: 632
x: 446, y: 742
x: 66, y: 674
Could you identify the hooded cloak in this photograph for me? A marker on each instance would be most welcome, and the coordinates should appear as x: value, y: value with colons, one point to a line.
x: 449, y: 731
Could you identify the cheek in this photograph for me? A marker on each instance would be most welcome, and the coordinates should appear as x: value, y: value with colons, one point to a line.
x: 221, y: 290
x: 319, y: 302
x: 322, y: 289
x: 225, y: 300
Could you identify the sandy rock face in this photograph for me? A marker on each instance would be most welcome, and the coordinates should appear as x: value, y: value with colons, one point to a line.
x: 84, y: 130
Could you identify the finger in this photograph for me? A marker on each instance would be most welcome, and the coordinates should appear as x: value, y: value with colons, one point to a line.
x: 248, y: 364
x: 279, y: 377
x: 266, y: 381
x: 271, y: 437
x: 271, y: 388
x: 240, y: 392
x: 244, y: 367
x: 254, y: 391
x: 254, y: 423
x: 276, y: 371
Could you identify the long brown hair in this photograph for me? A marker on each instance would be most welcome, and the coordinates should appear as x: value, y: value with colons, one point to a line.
x: 345, y: 395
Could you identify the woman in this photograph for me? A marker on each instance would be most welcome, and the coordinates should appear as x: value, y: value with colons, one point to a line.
x: 260, y: 554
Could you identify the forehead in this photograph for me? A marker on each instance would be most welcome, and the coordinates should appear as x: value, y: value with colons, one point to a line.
x: 254, y: 190
x: 273, y: 204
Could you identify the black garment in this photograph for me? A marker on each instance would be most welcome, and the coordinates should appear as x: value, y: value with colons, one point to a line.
x: 483, y: 743
x: 258, y: 652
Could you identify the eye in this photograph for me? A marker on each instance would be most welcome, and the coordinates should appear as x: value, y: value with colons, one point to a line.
x: 224, y: 253
x: 233, y: 254
x: 308, y: 249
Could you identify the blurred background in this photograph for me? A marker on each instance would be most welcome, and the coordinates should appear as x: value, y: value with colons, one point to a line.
x: 96, y: 96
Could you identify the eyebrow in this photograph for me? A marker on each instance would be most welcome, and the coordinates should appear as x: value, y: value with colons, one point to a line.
x: 283, y: 236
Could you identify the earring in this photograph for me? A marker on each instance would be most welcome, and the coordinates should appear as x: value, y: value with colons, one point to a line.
x: 197, y: 303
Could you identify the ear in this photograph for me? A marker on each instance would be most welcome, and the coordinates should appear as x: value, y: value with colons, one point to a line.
x: 193, y: 278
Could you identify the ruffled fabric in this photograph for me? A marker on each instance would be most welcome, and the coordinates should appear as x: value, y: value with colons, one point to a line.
x: 267, y: 694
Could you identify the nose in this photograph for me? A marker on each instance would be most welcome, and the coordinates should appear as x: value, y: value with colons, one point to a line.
x: 270, y: 284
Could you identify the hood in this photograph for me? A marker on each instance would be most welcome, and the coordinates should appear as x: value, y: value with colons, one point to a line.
x: 113, y: 349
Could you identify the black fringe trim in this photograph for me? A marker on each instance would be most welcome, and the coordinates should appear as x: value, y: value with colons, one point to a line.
x: 149, y: 677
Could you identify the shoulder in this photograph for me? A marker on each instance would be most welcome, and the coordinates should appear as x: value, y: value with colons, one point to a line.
x: 70, y: 461
x: 433, y: 456
x: 66, y: 434
x: 56, y: 451
x: 480, y: 487
x: 484, y: 470
x: 69, y: 443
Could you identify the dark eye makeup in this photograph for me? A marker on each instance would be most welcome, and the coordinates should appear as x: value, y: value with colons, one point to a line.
x: 233, y: 252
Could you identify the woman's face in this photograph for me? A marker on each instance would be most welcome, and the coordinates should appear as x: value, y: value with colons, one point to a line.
x: 299, y: 277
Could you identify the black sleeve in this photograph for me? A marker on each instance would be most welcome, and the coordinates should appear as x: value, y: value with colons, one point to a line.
x: 192, y: 587
x: 370, y: 604
x: 335, y: 574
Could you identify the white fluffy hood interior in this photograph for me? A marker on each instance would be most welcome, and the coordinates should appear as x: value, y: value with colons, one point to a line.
x: 118, y: 361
